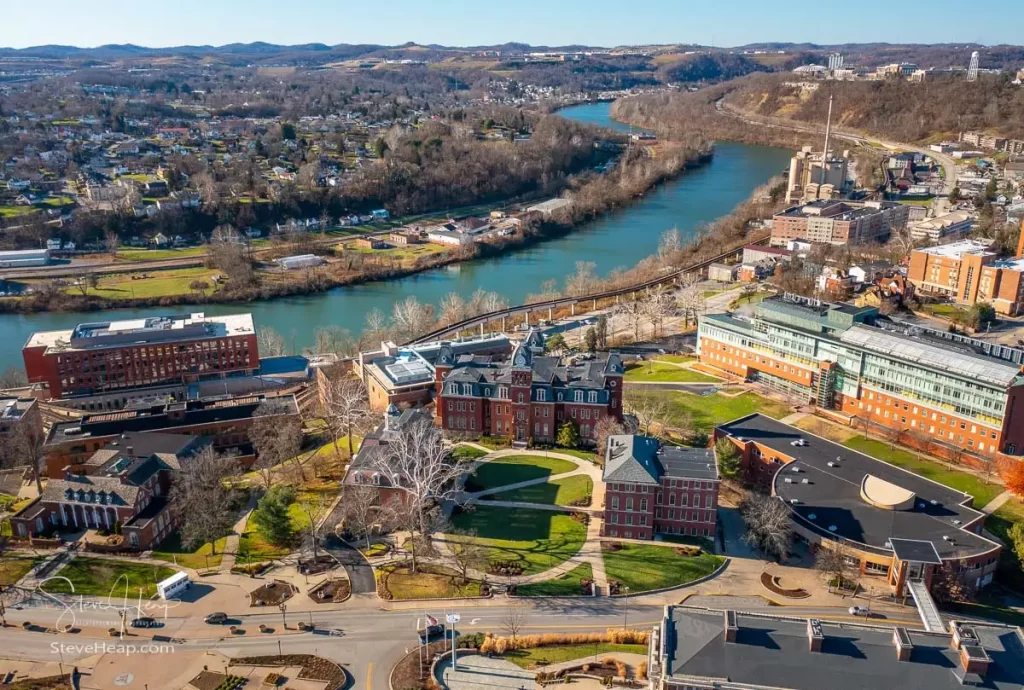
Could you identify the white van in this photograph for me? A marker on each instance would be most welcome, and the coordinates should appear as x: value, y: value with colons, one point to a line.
x: 173, y: 586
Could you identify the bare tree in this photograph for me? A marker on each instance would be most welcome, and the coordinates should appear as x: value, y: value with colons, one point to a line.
x: 23, y: 445
x: 769, y: 526
x: 269, y: 342
x: 649, y: 410
x: 583, y: 281
x: 13, y: 377
x: 453, y: 308
x: 656, y: 305
x: 336, y: 340
x: 634, y: 311
x: 202, y: 499
x: 831, y: 560
x: 411, y: 318
x: 313, y: 508
x: 416, y: 462
x: 468, y: 553
x: 360, y: 507
x: 690, y: 299
x: 345, y: 407
x: 514, y: 620
x: 606, y: 427
x: 277, y: 439
x: 669, y: 245
x: 112, y: 243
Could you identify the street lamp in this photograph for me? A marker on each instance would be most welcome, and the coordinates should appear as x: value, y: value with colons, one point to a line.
x: 284, y: 619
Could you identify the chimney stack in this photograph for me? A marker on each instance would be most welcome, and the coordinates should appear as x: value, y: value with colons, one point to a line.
x: 815, y: 635
x: 904, y: 647
x: 974, y: 659
x: 129, y: 451
x: 961, y: 635
x: 731, y: 627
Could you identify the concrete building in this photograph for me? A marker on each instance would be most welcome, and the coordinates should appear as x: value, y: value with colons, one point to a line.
x: 839, y: 222
x: 968, y: 272
x: 723, y: 273
x: 226, y: 422
x: 112, y: 355
x: 653, y: 489
x: 124, y: 486
x: 699, y: 649
x: 842, y: 499
x: 953, y: 395
x: 293, y: 263
x: 812, y: 178
x: 526, y: 398
x: 953, y: 224
x: 21, y: 426
x: 406, y: 375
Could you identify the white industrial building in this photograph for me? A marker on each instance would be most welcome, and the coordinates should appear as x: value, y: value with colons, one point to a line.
x: 24, y: 258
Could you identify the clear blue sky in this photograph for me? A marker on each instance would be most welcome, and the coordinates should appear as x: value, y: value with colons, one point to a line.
x: 479, y: 22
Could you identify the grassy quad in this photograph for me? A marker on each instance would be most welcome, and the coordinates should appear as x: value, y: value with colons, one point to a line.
x: 560, y: 492
x: 982, y: 491
x: 512, y: 469
x: 567, y: 585
x: 103, y: 577
x: 555, y: 654
x: 199, y: 558
x: 538, y: 539
x: 708, y: 411
x: 14, y: 568
x: 643, y: 568
x: 428, y: 582
x: 658, y: 372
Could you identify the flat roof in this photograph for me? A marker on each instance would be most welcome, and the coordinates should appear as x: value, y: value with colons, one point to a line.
x: 830, y: 502
x: 956, y: 250
x: 102, y: 334
x: 915, y: 550
x: 773, y: 651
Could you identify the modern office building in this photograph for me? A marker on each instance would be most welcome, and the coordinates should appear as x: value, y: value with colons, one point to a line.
x: 953, y: 393
x: 653, y: 489
x: 968, y: 272
x: 112, y: 355
x: 839, y: 222
x: 705, y: 649
x: 890, y: 522
x: 225, y: 421
x: 526, y: 397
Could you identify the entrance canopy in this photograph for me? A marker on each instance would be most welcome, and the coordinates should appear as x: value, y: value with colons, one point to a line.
x: 915, y: 551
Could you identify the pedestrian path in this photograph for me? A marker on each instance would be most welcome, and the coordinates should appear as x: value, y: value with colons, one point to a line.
x: 997, y: 502
x: 233, y: 540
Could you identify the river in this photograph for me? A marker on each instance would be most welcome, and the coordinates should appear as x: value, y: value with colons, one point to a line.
x: 619, y: 239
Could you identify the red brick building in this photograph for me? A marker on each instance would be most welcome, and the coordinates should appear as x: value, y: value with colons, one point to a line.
x: 363, y: 470
x: 122, y: 487
x: 114, y: 355
x: 653, y: 489
x: 527, y: 397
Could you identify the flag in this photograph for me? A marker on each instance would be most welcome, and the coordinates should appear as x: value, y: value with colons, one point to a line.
x: 431, y: 621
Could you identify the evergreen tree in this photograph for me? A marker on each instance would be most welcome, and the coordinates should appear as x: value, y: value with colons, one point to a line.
x: 568, y: 435
x: 729, y: 459
x: 271, y: 516
x: 590, y: 339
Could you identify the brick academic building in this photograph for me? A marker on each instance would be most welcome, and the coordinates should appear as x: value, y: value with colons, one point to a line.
x: 949, y: 393
x: 118, y: 355
x: 528, y: 397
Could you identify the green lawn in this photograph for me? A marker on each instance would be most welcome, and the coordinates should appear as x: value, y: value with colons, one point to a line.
x: 677, y: 359
x: 539, y: 539
x: 657, y: 372
x: 155, y: 284
x: 642, y: 568
x: 516, y: 468
x: 961, y: 481
x: 158, y: 254
x: 559, y: 492
x: 253, y: 547
x: 13, y: 568
x: 15, y: 211
x: 567, y: 585
x: 588, y: 455
x: 462, y: 453
x: 101, y: 577
x: 199, y: 558
x: 708, y: 411
x: 555, y: 654
x: 998, y: 523
x: 428, y: 582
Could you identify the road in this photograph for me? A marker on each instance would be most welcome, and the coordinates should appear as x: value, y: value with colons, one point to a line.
x: 947, y: 162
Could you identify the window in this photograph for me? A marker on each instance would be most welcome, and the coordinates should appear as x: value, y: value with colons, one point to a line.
x: 672, y: 499
x: 629, y: 503
x: 579, y: 396
x: 683, y: 499
x: 615, y: 502
x: 520, y: 398
x: 541, y: 395
x: 643, y: 505
x: 593, y: 396
x: 696, y: 501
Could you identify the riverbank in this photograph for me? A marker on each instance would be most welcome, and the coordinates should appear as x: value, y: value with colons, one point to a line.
x: 602, y: 194
x: 610, y: 244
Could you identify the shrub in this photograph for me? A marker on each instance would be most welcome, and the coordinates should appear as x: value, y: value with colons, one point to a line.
x: 586, y: 668
x: 641, y: 670
x: 620, y: 669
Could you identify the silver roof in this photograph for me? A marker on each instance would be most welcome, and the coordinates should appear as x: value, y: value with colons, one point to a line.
x: 985, y: 369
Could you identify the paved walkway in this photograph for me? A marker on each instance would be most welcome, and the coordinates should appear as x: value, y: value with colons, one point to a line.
x: 475, y: 672
x: 997, y: 502
x: 233, y: 539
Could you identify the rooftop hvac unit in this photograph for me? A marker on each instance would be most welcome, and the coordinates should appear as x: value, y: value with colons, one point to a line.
x: 831, y: 464
x: 811, y: 516
x: 795, y: 470
x: 934, y: 502
x: 788, y: 480
x: 805, y: 481
x: 793, y: 501
x: 832, y: 528
x: 956, y: 522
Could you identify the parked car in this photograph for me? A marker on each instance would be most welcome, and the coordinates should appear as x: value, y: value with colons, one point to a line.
x: 217, y: 618
x: 336, y: 632
x: 431, y: 631
x: 860, y: 611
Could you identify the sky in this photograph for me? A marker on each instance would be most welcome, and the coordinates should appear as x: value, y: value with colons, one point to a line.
x: 478, y: 22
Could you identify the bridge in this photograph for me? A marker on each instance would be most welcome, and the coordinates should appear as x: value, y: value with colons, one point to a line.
x: 482, y: 320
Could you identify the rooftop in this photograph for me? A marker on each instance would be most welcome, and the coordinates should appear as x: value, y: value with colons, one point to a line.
x: 643, y: 460
x: 823, y: 486
x: 773, y: 651
x: 12, y: 408
x: 956, y: 250
x: 102, y: 334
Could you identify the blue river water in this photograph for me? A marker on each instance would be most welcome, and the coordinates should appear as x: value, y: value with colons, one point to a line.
x: 619, y: 239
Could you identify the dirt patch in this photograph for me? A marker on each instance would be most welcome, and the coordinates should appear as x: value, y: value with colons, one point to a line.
x: 272, y: 593
x: 210, y: 680
x: 413, y: 671
x: 771, y: 583
x: 331, y: 591
x: 313, y: 668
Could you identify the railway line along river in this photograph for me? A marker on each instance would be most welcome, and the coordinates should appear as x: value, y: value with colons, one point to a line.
x: 619, y: 239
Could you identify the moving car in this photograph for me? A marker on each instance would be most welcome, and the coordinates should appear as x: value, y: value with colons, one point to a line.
x: 217, y: 618
x: 145, y: 622
x: 860, y: 611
